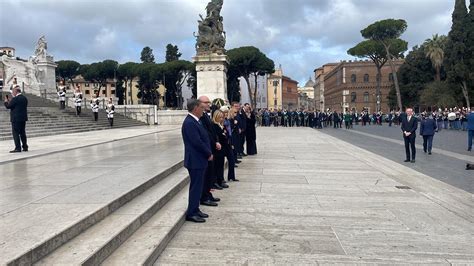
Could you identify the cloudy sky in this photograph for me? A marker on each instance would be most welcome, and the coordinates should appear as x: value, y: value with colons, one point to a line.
x: 301, y: 35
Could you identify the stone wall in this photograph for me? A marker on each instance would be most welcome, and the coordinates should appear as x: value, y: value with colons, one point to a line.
x: 150, y: 115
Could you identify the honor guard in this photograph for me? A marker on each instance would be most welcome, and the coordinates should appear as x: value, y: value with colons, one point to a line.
x: 110, y: 112
x: 95, y: 107
x: 62, y: 95
x: 78, y: 100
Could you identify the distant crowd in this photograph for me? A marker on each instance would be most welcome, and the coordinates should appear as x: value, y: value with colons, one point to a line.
x: 450, y: 118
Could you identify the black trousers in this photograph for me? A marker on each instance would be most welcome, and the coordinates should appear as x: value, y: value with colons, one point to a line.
x: 195, y: 188
x: 209, y: 179
x: 19, y: 134
x: 410, y: 144
x: 241, y: 142
x: 62, y: 104
x: 96, y: 116
x: 219, y: 167
x: 78, y: 110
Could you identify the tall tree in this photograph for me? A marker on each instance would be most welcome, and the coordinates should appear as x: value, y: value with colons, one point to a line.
x: 249, y: 60
x: 385, y: 32
x: 434, y: 50
x: 176, y: 73
x: 149, y: 76
x: 127, y: 72
x: 172, y: 53
x: 67, y: 70
x: 233, y: 84
x: 375, y: 51
x: 456, y: 60
x: 147, y: 55
x: 100, y: 72
x: 414, y: 74
x: 469, y: 28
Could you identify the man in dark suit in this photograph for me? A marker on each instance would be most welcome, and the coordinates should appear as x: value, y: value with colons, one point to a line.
x: 18, y: 117
x: 197, y: 153
x: 210, y: 180
x: 409, y: 126
x: 427, y: 130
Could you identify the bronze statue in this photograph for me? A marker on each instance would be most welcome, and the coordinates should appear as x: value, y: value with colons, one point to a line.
x: 211, y: 36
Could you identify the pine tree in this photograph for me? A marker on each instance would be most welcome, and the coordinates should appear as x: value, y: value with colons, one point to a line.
x: 456, y: 52
x: 147, y: 55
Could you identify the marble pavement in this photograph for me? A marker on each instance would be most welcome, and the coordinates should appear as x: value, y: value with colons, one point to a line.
x: 309, y: 198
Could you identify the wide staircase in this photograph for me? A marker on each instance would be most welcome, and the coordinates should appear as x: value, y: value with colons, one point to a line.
x: 136, y: 212
x: 45, y: 118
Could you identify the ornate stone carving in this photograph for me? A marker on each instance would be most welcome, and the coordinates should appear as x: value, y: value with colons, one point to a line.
x: 211, y: 35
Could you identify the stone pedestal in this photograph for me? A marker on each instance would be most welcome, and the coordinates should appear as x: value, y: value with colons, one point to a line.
x: 47, y: 70
x: 211, y: 76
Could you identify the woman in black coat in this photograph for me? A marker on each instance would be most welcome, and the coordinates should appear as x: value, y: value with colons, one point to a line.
x: 226, y: 148
x: 250, y: 132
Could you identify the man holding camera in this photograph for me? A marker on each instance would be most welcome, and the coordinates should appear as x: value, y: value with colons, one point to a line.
x: 18, y: 117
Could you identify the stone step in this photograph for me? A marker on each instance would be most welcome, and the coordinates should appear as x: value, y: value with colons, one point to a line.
x: 147, y: 243
x: 93, y: 246
x: 49, y: 243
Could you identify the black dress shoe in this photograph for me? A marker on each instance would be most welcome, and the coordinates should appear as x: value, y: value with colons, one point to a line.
x: 244, y: 154
x: 412, y: 161
x: 14, y: 151
x: 195, y: 219
x: 224, y: 185
x: 237, y: 161
x: 215, y: 199
x: 235, y: 180
x: 429, y: 153
x: 236, y: 166
x: 202, y: 215
x: 216, y: 186
x: 407, y: 160
x: 209, y: 203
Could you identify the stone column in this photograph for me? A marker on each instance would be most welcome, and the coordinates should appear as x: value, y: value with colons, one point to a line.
x: 47, y: 79
x: 211, y: 75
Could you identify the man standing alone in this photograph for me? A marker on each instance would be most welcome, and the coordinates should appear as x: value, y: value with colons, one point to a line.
x: 197, y: 153
x: 470, y: 129
x: 18, y: 117
x: 409, y: 126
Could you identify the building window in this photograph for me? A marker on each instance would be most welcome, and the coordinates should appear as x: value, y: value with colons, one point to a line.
x: 88, y: 92
x: 112, y: 85
x: 112, y: 92
x: 86, y: 85
x: 366, y: 78
x: 103, y: 92
x: 353, y: 97
x: 366, y: 97
x: 288, y: 89
x: 390, y: 77
x: 353, y: 78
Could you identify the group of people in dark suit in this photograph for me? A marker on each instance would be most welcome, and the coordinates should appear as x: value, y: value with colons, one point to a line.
x: 17, y: 105
x: 212, y: 134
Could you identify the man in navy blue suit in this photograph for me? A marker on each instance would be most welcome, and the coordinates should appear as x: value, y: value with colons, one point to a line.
x: 427, y: 130
x: 470, y: 128
x: 197, y: 153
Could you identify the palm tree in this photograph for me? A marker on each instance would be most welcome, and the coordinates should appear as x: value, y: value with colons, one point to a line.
x: 434, y: 50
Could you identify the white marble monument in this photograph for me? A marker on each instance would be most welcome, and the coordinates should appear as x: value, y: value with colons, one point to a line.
x: 211, y: 75
x: 37, y: 75
x: 211, y: 61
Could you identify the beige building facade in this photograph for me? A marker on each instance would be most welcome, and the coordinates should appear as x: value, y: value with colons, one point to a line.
x: 282, y: 91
